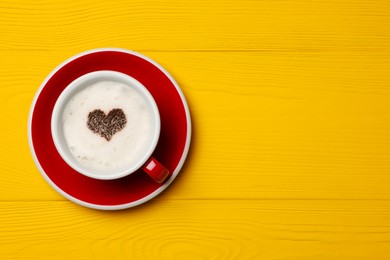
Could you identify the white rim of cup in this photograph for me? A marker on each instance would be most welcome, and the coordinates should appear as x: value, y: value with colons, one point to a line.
x: 72, y: 89
x: 125, y: 205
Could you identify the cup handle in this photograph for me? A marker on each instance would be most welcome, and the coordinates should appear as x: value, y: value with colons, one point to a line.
x: 155, y: 170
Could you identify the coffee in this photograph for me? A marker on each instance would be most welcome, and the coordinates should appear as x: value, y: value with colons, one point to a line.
x: 107, y: 125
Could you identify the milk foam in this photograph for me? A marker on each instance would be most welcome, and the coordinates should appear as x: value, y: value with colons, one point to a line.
x: 127, y: 146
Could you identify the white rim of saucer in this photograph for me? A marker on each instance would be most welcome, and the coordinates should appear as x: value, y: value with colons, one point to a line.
x: 130, y: 204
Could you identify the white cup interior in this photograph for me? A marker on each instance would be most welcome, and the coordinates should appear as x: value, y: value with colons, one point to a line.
x: 57, y: 125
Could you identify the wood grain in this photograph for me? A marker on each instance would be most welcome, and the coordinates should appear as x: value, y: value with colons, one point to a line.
x: 326, y: 25
x: 182, y: 229
x: 291, y: 132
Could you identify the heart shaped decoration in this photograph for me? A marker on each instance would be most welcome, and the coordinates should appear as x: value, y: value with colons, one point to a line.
x: 106, y: 125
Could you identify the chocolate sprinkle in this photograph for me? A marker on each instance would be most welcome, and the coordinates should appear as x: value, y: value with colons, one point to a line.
x: 106, y: 125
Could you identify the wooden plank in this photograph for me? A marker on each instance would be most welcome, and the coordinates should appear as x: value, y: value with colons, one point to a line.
x: 326, y: 25
x: 266, y: 125
x: 183, y: 229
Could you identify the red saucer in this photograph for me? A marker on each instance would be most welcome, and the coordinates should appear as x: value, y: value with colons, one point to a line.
x: 136, y: 188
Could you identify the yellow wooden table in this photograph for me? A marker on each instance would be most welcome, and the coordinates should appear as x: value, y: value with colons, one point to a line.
x: 290, y: 156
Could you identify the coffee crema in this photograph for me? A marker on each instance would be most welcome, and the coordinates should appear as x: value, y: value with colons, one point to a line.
x: 107, y: 126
